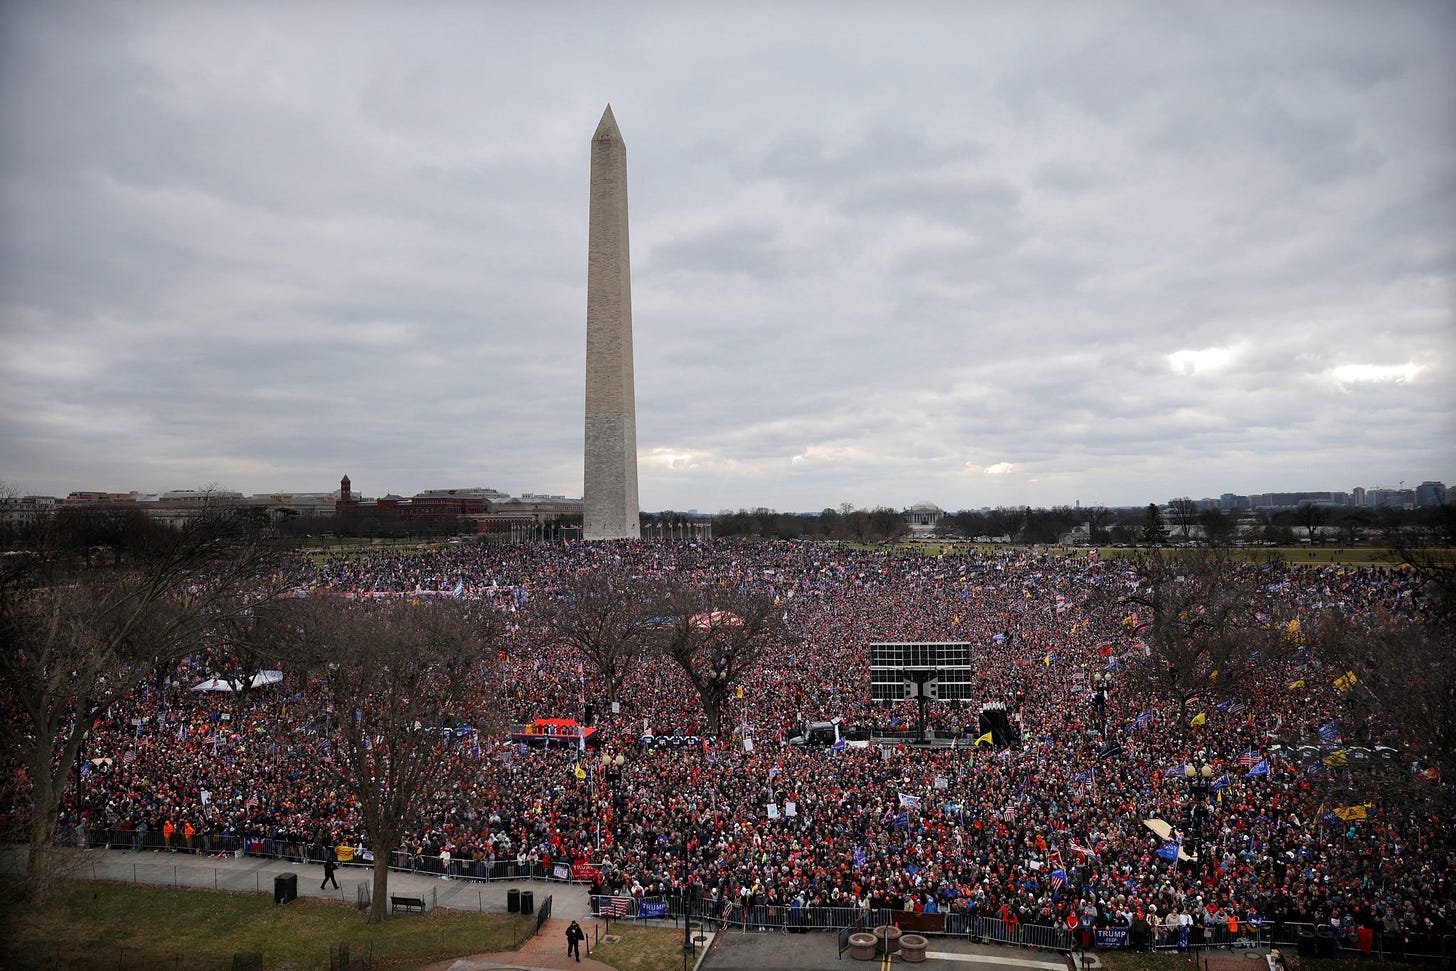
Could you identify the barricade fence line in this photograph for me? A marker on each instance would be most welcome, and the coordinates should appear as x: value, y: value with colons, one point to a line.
x: 788, y: 917
x: 401, y: 861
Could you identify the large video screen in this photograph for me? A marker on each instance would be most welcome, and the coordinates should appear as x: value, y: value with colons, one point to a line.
x: 950, y: 661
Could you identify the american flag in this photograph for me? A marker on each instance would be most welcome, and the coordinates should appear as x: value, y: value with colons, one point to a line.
x: 616, y: 907
x: 1059, y: 879
x: 1247, y: 760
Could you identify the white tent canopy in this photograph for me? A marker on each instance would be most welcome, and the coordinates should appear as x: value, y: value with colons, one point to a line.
x: 233, y: 684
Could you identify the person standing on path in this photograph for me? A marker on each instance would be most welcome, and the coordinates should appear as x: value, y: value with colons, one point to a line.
x: 331, y: 865
x: 574, y: 936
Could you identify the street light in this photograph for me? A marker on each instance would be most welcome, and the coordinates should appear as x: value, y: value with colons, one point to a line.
x: 612, y: 766
x: 1100, y: 683
x: 1198, y: 774
x: 687, y: 944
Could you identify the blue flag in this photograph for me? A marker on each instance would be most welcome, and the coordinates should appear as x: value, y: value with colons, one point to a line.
x: 902, y: 821
x: 1260, y: 768
x: 1169, y: 852
x: 859, y: 857
x: 652, y: 908
x: 1220, y: 784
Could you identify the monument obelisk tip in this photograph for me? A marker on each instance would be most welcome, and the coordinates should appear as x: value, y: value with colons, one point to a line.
x: 607, y: 127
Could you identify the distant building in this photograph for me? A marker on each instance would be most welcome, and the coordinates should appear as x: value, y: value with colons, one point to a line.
x: 1380, y: 498
x: 26, y: 510
x: 437, y: 503
x: 1430, y: 494
x: 923, y: 517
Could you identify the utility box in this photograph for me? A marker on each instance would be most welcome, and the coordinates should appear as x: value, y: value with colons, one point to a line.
x: 285, y: 888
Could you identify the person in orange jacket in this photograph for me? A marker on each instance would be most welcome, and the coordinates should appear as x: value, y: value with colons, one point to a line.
x: 169, y: 829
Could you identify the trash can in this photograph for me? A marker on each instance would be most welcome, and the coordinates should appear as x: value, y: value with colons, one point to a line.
x: 513, y: 901
x: 285, y: 888
x: 528, y: 902
x: 1305, y: 944
x: 1324, y: 941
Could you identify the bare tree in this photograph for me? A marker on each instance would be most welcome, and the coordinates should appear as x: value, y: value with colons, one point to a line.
x: 1205, y: 619
x: 716, y: 635
x: 1184, y: 514
x: 603, y: 614
x: 1218, y: 527
x: 1099, y: 519
x: 1396, y: 680
x: 397, y: 676
x: 75, y: 638
x: 1312, y: 516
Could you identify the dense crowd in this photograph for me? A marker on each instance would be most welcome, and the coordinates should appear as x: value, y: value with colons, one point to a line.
x: 1034, y: 833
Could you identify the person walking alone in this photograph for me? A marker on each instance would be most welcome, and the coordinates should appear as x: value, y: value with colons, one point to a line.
x: 331, y: 865
x: 574, y: 936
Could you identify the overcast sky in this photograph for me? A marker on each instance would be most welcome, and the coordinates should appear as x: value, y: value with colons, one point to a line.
x: 974, y: 253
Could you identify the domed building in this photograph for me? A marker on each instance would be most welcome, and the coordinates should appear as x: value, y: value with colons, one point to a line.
x: 923, y: 518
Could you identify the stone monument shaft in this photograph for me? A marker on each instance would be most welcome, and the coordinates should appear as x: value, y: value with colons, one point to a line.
x: 609, y: 493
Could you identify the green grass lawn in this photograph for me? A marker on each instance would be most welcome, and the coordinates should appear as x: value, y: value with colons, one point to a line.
x: 643, y: 948
x: 105, y: 925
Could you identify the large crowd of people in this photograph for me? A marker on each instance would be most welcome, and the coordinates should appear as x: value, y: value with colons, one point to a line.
x: 1037, y: 832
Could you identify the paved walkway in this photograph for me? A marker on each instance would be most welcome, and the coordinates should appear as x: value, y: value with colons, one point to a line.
x: 257, y: 874
x: 546, y: 950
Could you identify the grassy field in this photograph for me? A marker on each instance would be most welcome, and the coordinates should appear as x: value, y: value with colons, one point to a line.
x: 642, y: 948
x: 104, y: 925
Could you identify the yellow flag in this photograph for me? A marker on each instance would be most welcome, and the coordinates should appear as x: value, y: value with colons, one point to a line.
x: 1351, y: 814
x: 579, y: 772
x: 1346, y: 681
x: 986, y: 738
x: 1214, y: 675
x: 740, y: 692
x: 1337, y: 757
x: 1295, y: 686
x: 1199, y: 719
x: 1048, y: 659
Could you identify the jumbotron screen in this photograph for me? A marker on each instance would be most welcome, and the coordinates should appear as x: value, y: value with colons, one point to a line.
x: 892, y: 661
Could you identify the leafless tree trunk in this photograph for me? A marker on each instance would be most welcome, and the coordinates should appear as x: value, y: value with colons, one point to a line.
x: 716, y: 635
x: 399, y: 676
x: 1206, y: 621
x: 74, y: 639
x: 603, y: 614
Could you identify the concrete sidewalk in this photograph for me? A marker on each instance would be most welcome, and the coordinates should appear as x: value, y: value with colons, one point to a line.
x: 255, y: 875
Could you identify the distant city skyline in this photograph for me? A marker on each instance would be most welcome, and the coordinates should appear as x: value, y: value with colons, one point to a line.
x: 1426, y: 493
x: 984, y: 254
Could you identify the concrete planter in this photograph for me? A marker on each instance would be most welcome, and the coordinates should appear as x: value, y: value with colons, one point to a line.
x: 890, y: 934
x: 912, y: 948
x: 862, y: 947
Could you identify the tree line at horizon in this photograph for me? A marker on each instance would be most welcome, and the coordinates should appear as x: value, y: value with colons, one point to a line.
x: 1181, y: 521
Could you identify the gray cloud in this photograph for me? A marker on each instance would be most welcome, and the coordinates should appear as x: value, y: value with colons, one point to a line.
x: 1122, y: 248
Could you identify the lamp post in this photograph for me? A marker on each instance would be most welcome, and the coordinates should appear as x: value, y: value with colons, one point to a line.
x: 1198, y: 774
x: 687, y: 944
x: 612, y: 766
x: 1100, y: 684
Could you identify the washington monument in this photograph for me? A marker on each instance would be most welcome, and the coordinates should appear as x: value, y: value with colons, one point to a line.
x: 609, y: 494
